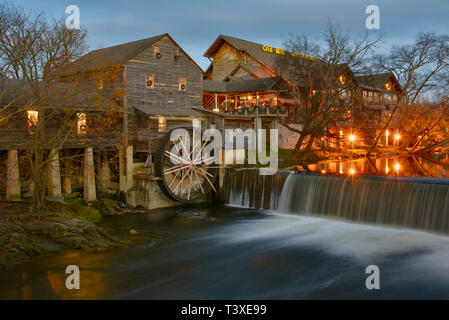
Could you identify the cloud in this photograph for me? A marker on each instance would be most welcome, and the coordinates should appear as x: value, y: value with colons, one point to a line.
x: 195, y: 24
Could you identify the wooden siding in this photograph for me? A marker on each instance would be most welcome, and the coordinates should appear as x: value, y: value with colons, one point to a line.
x: 165, y: 98
x: 227, y: 59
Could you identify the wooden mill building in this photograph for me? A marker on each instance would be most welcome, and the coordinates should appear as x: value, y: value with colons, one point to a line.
x: 161, y: 88
x: 123, y: 98
x: 245, y: 74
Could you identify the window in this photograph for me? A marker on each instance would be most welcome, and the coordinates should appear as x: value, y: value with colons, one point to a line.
x: 182, y: 83
x: 149, y: 80
x: 176, y: 54
x: 32, y: 118
x: 161, y: 124
x: 81, y: 123
x: 157, y: 53
x: 364, y: 93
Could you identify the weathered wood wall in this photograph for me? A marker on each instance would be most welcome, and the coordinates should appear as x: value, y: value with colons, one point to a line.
x: 165, y: 98
x: 227, y: 59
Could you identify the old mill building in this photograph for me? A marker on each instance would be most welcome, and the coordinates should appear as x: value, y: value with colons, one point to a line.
x: 162, y: 88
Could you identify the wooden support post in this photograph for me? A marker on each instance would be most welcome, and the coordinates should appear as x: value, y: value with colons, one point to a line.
x: 90, y: 193
x: 67, y: 179
x: 130, y: 193
x: 54, y: 176
x: 12, y: 177
x: 122, y: 173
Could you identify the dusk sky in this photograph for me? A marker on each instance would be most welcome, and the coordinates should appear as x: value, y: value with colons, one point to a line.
x: 195, y: 24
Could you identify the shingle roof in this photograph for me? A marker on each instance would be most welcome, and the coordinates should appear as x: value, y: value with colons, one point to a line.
x: 373, y: 81
x: 254, y: 70
x: 252, y: 48
x: 260, y: 84
x: 273, y: 62
x: 119, y: 54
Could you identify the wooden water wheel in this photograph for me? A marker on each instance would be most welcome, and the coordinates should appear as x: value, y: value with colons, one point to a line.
x: 185, y: 177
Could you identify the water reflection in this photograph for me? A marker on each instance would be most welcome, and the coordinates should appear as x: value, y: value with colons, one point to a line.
x: 430, y: 166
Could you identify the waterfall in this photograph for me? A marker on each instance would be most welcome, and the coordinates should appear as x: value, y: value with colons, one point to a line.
x: 412, y: 203
x: 247, y: 188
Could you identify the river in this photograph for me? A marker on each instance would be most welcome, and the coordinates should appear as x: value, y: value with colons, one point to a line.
x: 226, y: 252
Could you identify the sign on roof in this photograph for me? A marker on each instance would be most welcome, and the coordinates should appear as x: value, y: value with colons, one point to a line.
x: 269, y: 49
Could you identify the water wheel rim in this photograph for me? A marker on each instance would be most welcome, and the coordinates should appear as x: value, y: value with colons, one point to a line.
x: 185, y: 175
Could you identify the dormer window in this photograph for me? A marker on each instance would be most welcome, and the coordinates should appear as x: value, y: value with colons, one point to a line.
x: 157, y: 53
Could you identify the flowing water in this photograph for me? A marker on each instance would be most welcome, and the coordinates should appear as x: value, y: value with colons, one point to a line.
x: 315, y: 242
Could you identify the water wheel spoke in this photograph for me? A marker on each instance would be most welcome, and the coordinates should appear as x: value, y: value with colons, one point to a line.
x: 199, y: 181
x: 207, y: 179
x: 185, y: 175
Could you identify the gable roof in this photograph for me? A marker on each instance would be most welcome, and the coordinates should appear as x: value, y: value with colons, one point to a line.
x: 376, y: 81
x: 119, y: 54
x: 252, y: 48
x: 271, y: 60
x: 253, y: 70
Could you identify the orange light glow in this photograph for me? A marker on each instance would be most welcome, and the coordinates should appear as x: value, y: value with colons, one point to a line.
x: 387, y: 133
x: 33, y: 118
x: 351, y: 171
x: 352, y: 137
x: 387, y: 169
x: 397, y: 136
x: 323, y: 171
x: 397, y: 166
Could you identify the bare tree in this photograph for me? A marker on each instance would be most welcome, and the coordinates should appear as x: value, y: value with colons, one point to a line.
x: 422, y: 70
x: 324, y: 85
x: 36, y: 55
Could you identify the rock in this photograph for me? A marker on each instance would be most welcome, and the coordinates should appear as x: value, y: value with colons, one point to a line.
x: 133, y: 232
x: 122, y: 204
